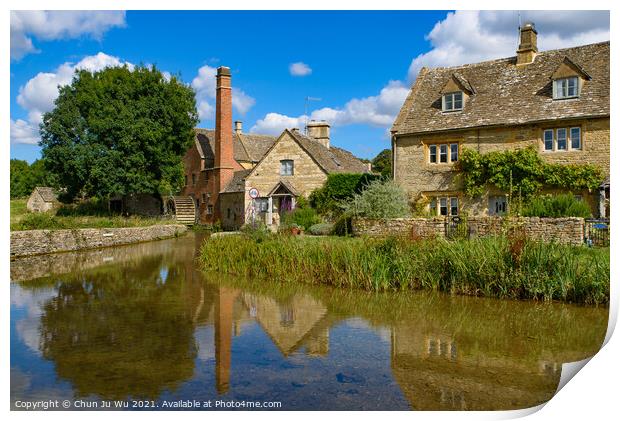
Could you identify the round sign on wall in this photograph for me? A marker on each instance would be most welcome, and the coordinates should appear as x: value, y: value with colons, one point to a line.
x: 253, y: 193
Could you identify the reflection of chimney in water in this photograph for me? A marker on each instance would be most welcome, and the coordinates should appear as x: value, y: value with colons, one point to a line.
x: 223, y: 337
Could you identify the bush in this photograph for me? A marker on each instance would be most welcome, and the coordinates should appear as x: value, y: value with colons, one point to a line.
x: 558, y: 206
x: 337, y: 188
x: 343, y: 226
x: 90, y: 207
x: 321, y: 229
x: 381, y: 200
x: 303, y: 217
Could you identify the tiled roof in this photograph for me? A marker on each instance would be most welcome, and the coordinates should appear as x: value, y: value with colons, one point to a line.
x: 237, y: 184
x: 332, y: 159
x: 246, y: 148
x: 505, y: 94
x: 47, y: 193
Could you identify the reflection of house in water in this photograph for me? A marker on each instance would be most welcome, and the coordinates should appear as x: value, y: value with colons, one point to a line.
x: 300, y: 321
x: 435, y: 372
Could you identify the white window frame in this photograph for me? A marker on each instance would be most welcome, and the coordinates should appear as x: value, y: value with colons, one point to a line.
x: 443, y: 150
x: 452, y: 100
x: 561, y: 88
x: 564, y: 138
x: 287, y: 167
x: 435, y: 205
x: 209, y: 209
x: 568, y: 138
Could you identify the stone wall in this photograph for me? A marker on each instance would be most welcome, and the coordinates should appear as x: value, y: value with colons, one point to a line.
x: 562, y: 230
x: 34, y: 242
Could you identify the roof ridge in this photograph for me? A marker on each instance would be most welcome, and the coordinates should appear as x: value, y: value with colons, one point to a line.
x: 497, y: 60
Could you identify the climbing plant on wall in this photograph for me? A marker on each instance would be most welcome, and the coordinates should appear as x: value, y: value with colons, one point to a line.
x: 523, y: 172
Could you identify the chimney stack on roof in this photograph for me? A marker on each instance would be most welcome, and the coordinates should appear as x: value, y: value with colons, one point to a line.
x: 526, y: 53
x: 319, y: 130
x: 238, y: 127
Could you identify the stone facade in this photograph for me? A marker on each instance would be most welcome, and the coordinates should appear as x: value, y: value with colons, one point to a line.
x: 42, y: 199
x: 561, y: 230
x: 34, y: 242
x: 423, y: 180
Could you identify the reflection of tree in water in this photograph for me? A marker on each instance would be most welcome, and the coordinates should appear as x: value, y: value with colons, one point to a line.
x: 123, y: 331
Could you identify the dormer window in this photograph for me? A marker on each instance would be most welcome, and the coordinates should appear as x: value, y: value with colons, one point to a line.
x: 452, y: 101
x: 567, y: 87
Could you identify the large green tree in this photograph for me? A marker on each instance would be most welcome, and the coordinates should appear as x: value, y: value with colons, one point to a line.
x: 24, y: 177
x: 119, y: 131
x: 382, y: 163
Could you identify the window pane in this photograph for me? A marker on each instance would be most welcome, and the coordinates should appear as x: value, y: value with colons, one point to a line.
x: 454, y: 152
x: 575, y: 138
x: 458, y: 100
x: 448, y: 101
x: 572, y: 86
x: 443, y: 153
x: 286, y: 167
x: 443, y: 206
x: 454, y: 206
x: 433, y: 153
x: 548, y: 140
x: 561, y: 138
x: 433, y: 206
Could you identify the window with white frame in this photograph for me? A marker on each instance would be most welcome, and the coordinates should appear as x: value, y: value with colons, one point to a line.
x: 209, y: 209
x: 452, y: 101
x: 443, y: 153
x: 562, y: 139
x: 444, y: 206
x: 262, y: 204
x: 566, y: 88
x: 286, y: 167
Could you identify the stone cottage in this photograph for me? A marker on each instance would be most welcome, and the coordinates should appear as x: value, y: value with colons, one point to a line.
x: 225, y: 167
x: 42, y: 199
x: 556, y: 101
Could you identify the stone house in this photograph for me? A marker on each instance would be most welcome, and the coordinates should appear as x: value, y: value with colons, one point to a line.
x: 556, y: 101
x: 42, y: 199
x: 224, y: 166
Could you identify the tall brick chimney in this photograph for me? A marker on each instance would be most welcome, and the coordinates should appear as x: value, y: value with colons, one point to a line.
x: 224, y: 159
x: 528, y: 48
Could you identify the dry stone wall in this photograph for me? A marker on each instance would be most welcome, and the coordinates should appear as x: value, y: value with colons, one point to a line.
x: 561, y: 230
x: 34, y: 242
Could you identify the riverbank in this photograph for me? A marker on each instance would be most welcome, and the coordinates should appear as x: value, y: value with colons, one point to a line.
x: 489, y: 267
x: 37, y: 242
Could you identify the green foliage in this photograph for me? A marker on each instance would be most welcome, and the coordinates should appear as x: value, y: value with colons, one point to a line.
x: 323, y: 228
x: 382, y: 163
x: 89, y: 207
x: 343, y: 226
x: 119, y: 131
x: 46, y: 220
x: 380, y: 200
x: 24, y: 177
x: 338, y: 187
x: 303, y: 217
x: 490, y: 267
x: 556, y: 207
x: 522, y: 172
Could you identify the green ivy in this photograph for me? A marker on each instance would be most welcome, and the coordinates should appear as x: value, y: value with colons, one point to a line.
x: 522, y: 172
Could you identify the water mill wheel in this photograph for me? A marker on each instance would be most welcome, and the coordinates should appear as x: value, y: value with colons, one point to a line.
x: 183, y: 208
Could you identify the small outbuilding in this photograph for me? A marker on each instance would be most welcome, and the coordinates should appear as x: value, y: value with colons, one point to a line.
x: 42, y: 199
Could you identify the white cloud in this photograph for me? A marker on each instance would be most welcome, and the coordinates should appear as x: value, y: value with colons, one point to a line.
x: 24, y: 132
x: 379, y: 111
x: 204, y: 85
x: 299, y: 69
x: 473, y: 36
x: 37, y: 96
x: 58, y: 24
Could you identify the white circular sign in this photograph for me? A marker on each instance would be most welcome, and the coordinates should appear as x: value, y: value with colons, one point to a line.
x: 253, y: 193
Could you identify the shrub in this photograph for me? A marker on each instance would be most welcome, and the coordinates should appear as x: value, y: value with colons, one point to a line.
x: 321, y: 229
x: 381, y: 200
x: 89, y: 207
x: 557, y: 206
x: 338, y: 187
x: 343, y: 226
x: 304, y: 217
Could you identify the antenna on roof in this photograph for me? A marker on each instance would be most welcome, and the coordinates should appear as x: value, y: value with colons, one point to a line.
x: 308, y: 99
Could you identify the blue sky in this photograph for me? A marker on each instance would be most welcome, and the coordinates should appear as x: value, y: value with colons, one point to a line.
x: 359, y: 63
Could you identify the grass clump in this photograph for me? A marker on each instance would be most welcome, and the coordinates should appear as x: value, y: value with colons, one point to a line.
x: 43, y: 220
x: 490, y: 267
x: 558, y: 206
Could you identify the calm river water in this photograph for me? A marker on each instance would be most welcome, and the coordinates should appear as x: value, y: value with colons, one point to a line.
x: 141, y: 322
